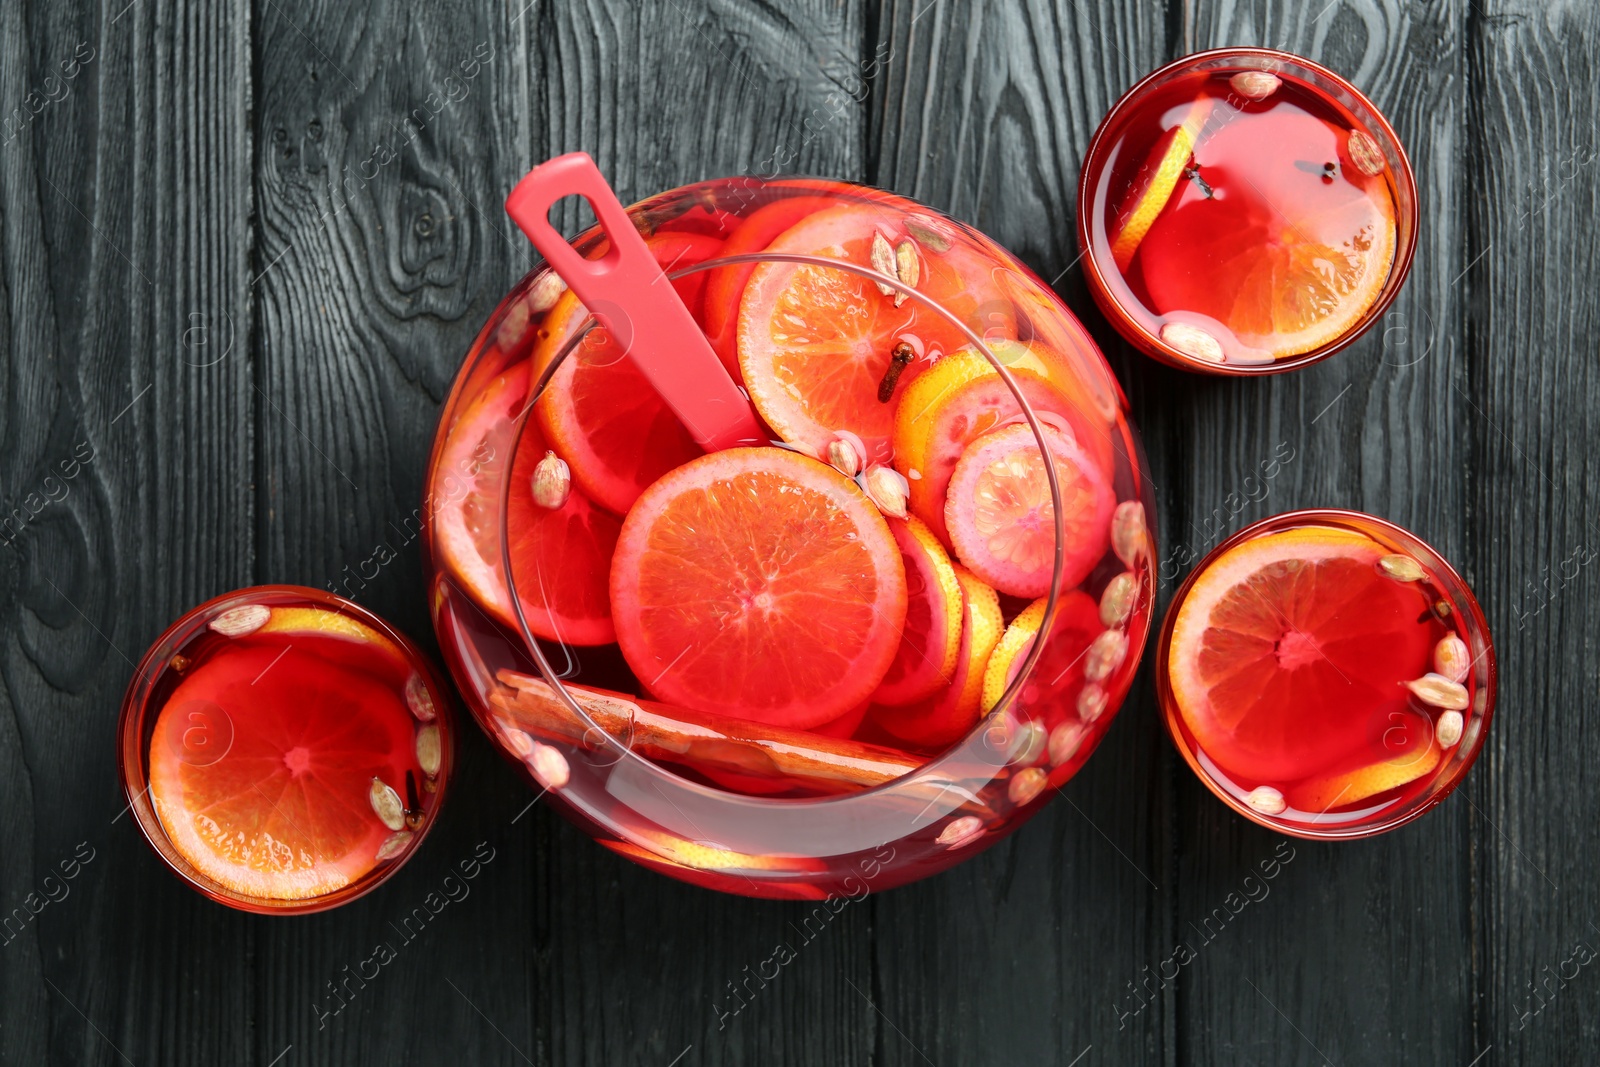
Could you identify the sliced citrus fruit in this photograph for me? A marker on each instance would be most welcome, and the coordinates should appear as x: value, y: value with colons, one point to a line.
x: 1002, y: 518
x: 1156, y: 180
x: 816, y: 342
x: 1288, y: 653
x: 961, y: 398
x: 1060, y: 665
x: 932, y: 634
x: 759, y: 584
x: 561, y: 557
x: 297, y: 620
x: 464, y: 500
x: 284, y: 814
x: 1285, y: 255
x: 949, y: 714
x: 1326, y: 792
x: 725, y: 285
x: 846, y: 725
x: 598, y: 410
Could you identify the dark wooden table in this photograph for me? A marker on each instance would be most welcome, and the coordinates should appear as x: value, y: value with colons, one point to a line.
x: 236, y: 286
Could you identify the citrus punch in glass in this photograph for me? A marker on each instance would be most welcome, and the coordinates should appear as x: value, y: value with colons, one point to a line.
x: 1245, y: 211
x: 283, y: 749
x: 757, y: 667
x: 1327, y: 674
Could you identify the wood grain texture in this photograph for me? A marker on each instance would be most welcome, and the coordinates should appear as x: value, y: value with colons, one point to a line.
x: 1531, y: 386
x: 242, y: 250
x: 126, y: 203
x: 1380, y: 428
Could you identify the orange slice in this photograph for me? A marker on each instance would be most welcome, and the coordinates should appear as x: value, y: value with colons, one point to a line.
x: 1288, y: 653
x: 932, y: 636
x: 284, y: 813
x: 759, y: 584
x: 1155, y: 182
x: 1342, y: 790
x: 598, y: 411
x: 948, y: 715
x: 1001, y: 516
x: 1060, y: 666
x: 815, y: 342
x: 562, y: 557
x: 1286, y: 257
x: 962, y: 397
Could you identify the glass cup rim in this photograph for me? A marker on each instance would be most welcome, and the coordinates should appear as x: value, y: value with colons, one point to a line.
x: 979, y: 738
x: 1421, y: 804
x: 1151, y: 344
x: 130, y: 749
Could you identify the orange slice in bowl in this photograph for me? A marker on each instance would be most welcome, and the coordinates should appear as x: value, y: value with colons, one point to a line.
x: 1155, y: 182
x: 284, y: 814
x: 816, y: 342
x: 561, y: 557
x: 1288, y: 257
x: 1060, y: 666
x: 962, y: 397
x: 598, y: 411
x: 463, y: 501
x: 932, y: 635
x: 758, y: 584
x: 1287, y: 653
x: 1002, y: 517
x: 946, y: 716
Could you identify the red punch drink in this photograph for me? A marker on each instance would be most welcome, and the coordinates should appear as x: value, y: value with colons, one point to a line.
x: 1245, y: 211
x: 759, y: 668
x: 284, y: 749
x: 1326, y: 674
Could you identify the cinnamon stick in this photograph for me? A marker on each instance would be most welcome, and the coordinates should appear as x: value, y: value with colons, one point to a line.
x: 677, y: 735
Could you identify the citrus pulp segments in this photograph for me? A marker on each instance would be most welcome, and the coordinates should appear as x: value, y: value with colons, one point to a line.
x: 1289, y: 262
x: 948, y: 715
x: 598, y: 410
x: 932, y: 633
x: 962, y: 397
x: 1001, y: 517
x: 1357, y: 636
x: 251, y: 821
x: 759, y: 584
x: 816, y: 342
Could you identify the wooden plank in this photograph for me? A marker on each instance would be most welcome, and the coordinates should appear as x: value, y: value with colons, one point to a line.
x: 126, y: 199
x: 1530, y: 387
x: 1024, y: 954
x: 1379, y: 428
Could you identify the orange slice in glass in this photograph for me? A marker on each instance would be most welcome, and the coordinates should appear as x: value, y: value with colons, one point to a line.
x: 284, y: 814
x: 1287, y: 256
x: 759, y: 584
x: 946, y: 716
x: 598, y: 411
x: 1287, y: 654
x: 1155, y: 182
